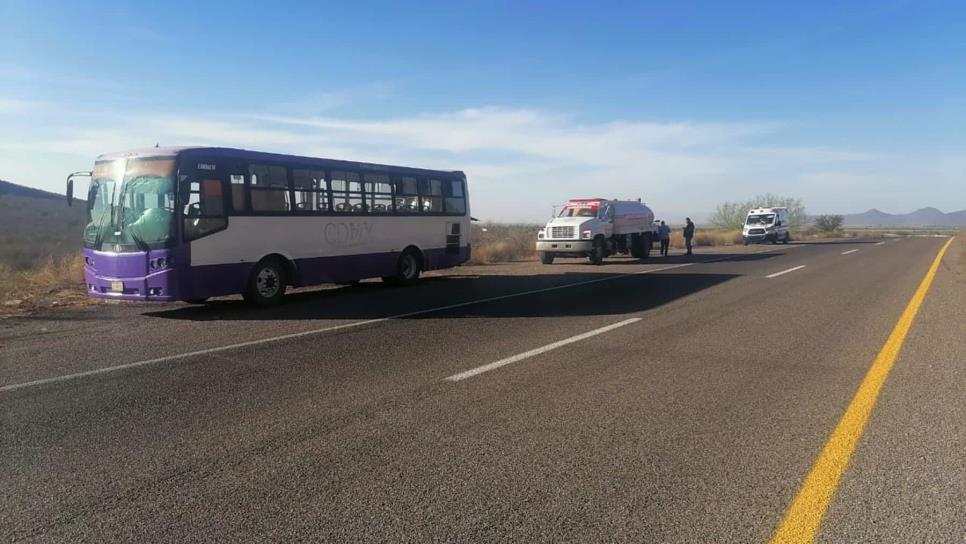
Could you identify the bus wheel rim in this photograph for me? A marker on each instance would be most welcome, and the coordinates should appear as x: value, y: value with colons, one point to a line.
x: 408, y: 266
x: 267, y: 282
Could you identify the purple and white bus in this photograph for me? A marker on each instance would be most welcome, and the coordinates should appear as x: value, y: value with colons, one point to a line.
x: 197, y: 222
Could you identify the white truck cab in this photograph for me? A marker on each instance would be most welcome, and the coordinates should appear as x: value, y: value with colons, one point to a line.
x: 766, y: 225
x: 596, y: 228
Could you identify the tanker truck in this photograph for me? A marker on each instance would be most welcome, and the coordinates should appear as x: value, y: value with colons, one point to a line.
x: 596, y: 228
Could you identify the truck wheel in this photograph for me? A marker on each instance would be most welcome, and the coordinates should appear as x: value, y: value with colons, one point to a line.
x: 640, y: 246
x: 597, y: 253
x: 546, y: 257
x: 637, y: 246
x: 788, y: 236
x: 648, y: 244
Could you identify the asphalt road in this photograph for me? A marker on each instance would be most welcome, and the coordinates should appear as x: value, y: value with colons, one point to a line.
x: 672, y: 401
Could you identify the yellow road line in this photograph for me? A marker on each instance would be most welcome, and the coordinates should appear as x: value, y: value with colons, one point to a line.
x: 804, y: 516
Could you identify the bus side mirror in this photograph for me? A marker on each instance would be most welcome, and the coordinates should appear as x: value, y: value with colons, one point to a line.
x: 70, y: 185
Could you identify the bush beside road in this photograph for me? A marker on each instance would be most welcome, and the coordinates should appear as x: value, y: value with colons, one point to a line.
x: 55, y: 281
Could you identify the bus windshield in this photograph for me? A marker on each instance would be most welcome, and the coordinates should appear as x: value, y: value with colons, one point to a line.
x: 130, y: 205
x: 761, y: 219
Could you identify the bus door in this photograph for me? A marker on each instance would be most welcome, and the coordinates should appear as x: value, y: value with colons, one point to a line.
x: 204, y: 199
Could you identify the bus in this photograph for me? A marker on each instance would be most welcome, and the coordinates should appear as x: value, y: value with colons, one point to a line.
x: 191, y: 223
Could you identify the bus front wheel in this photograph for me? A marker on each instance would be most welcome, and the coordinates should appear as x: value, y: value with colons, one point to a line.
x: 266, y: 286
x: 407, y: 269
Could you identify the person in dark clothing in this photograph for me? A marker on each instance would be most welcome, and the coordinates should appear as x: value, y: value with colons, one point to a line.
x: 688, y: 234
x: 664, y: 233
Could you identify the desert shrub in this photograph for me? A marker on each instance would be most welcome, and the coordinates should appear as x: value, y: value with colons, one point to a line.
x: 731, y: 215
x: 829, y: 223
x: 55, y: 280
x: 55, y: 274
x: 707, y: 238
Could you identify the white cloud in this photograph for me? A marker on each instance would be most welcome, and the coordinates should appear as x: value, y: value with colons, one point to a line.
x: 519, y: 161
x: 16, y: 106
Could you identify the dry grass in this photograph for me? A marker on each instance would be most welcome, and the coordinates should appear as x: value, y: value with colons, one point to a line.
x: 707, y: 238
x: 494, y: 243
x: 57, y: 281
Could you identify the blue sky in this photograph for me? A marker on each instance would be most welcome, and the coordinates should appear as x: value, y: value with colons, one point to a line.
x: 846, y: 105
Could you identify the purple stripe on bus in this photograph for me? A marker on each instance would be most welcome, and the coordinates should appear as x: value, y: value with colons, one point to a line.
x: 140, y: 282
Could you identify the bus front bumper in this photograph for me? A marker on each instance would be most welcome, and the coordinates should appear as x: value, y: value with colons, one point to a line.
x: 123, y: 277
x: 565, y: 246
x: 155, y: 287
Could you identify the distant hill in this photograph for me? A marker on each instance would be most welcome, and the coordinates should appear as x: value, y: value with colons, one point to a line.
x: 924, y: 217
x: 12, y: 189
x: 35, y: 225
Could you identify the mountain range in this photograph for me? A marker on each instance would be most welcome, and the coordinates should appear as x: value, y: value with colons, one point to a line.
x: 923, y: 217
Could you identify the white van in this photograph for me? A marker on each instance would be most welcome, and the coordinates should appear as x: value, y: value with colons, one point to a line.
x: 766, y: 225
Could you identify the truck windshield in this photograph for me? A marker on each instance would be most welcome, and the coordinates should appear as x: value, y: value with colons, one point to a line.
x: 130, y: 205
x: 761, y: 219
x: 581, y: 211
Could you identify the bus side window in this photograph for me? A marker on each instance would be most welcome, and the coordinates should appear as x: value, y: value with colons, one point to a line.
x: 346, y: 192
x: 407, y: 195
x: 204, y: 212
x: 238, y: 193
x: 378, y: 193
x: 431, y: 195
x: 310, y: 193
x: 269, y: 188
x: 455, y: 198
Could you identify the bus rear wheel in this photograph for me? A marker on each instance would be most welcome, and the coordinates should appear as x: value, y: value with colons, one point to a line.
x: 407, y: 269
x: 266, y: 285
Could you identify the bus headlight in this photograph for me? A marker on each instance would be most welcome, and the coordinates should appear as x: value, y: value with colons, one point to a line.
x: 587, y: 234
x: 540, y: 234
x: 161, y: 263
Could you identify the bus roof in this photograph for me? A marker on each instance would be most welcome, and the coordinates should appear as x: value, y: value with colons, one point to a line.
x: 244, y: 154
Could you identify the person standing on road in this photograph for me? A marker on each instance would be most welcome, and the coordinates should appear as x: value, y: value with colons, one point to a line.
x: 688, y: 234
x: 664, y: 234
